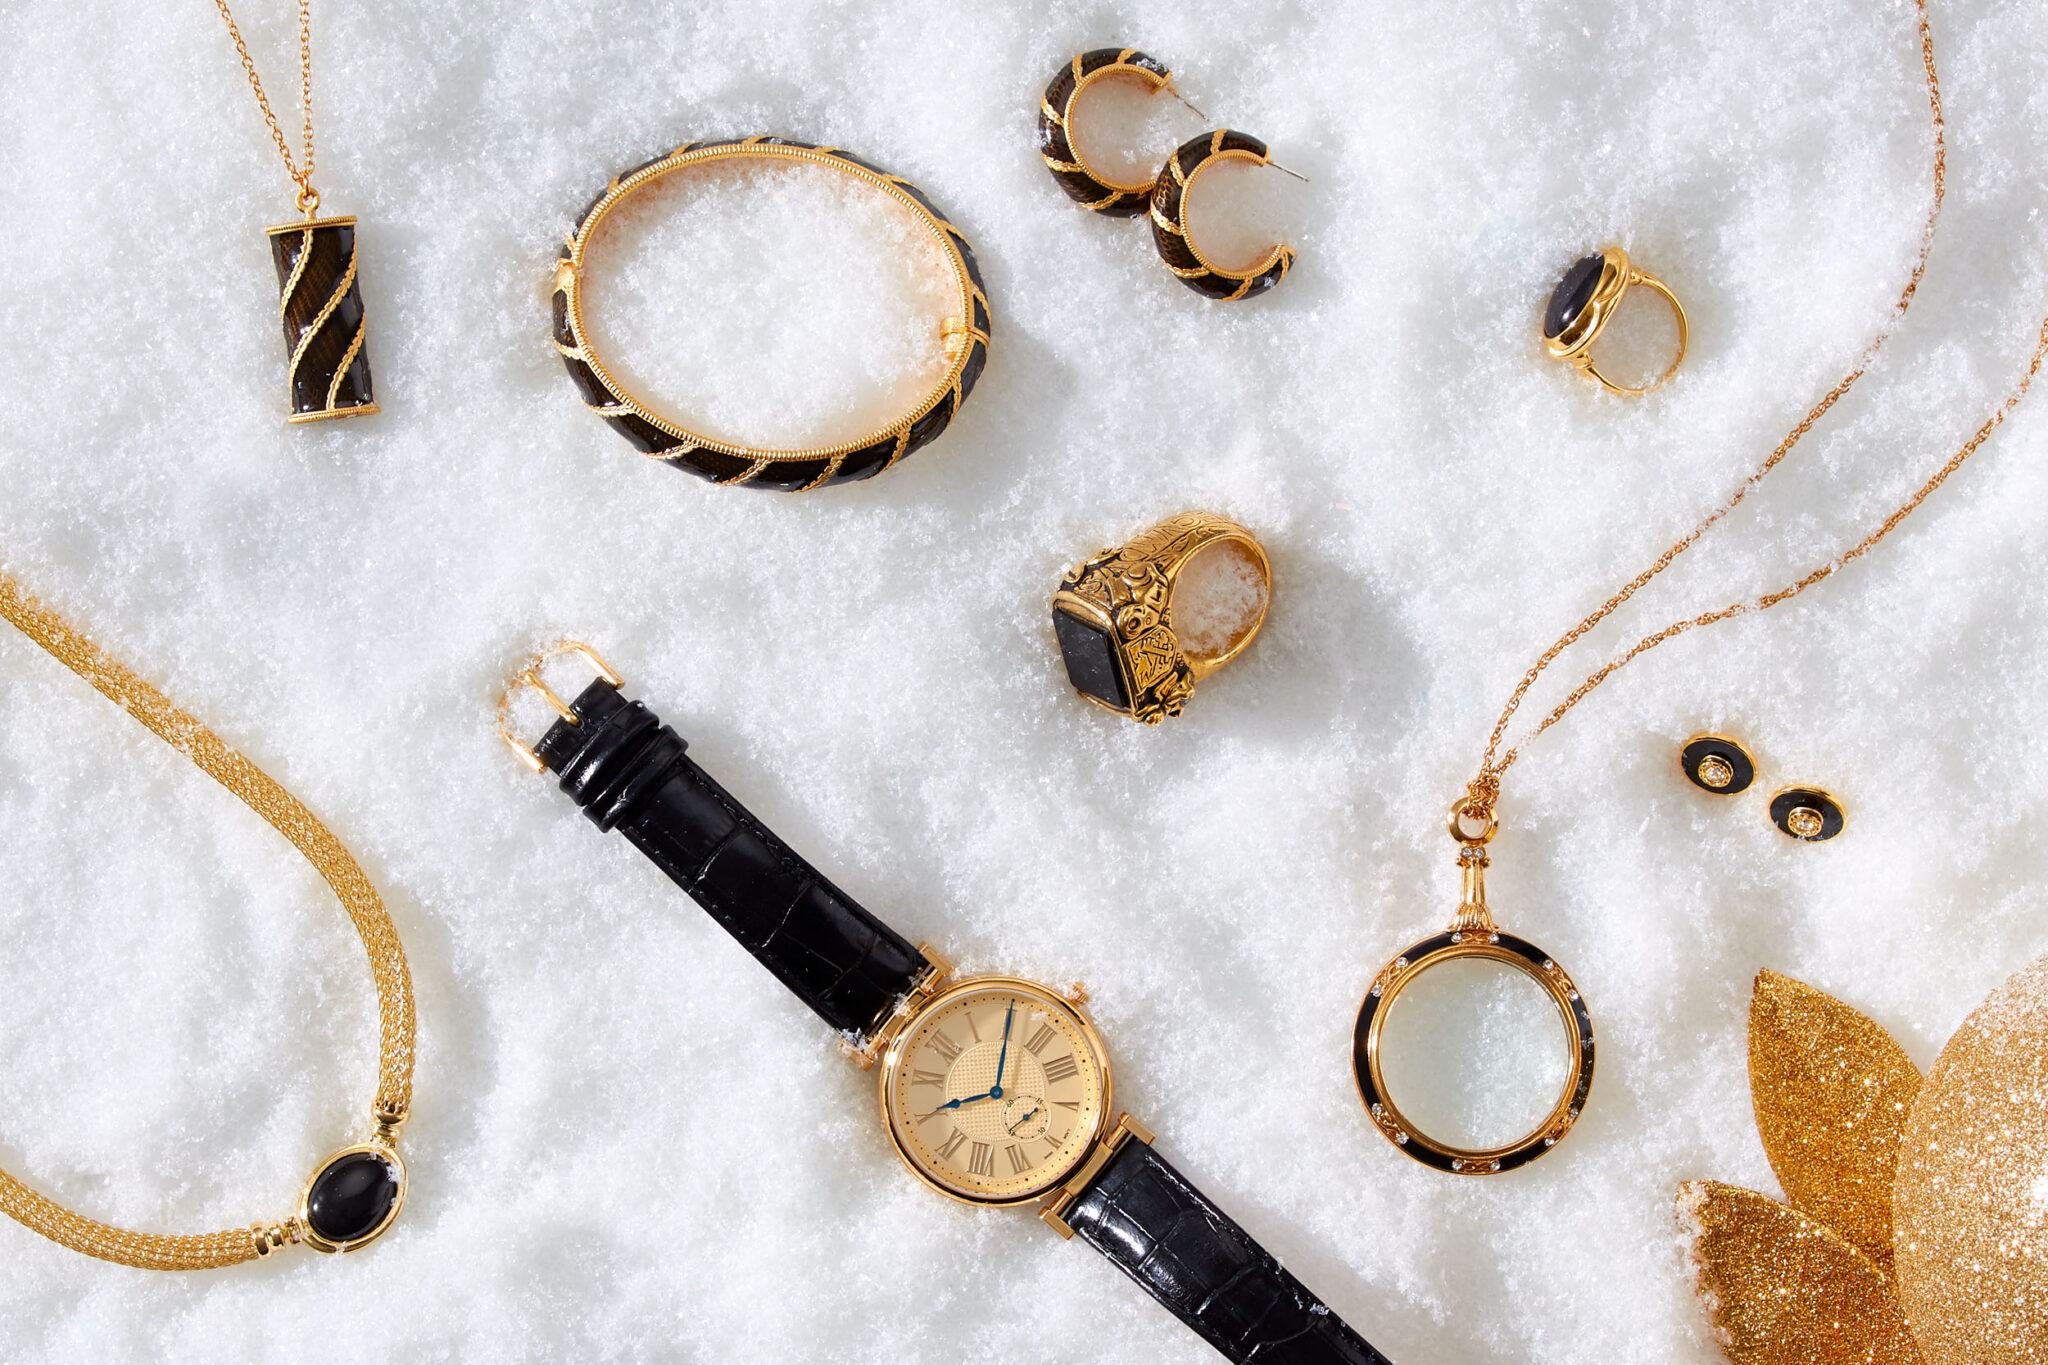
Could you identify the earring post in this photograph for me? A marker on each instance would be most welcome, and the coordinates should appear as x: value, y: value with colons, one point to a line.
x: 1278, y: 167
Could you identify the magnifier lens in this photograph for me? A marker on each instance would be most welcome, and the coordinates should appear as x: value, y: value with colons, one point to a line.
x: 1474, y: 1053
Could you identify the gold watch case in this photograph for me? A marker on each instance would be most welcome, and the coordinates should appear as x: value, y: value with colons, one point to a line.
x: 955, y: 1124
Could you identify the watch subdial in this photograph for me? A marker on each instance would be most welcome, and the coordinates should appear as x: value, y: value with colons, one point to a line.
x: 1026, y: 1118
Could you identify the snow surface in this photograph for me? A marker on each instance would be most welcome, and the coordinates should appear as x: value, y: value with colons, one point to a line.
x: 629, y: 1142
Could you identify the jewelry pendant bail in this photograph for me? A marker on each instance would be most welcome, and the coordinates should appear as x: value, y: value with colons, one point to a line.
x: 388, y: 1122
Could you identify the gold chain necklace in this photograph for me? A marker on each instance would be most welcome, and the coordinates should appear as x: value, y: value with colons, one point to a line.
x: 320, y: 304
x: 1473, y: 820
x: 356, y: 1193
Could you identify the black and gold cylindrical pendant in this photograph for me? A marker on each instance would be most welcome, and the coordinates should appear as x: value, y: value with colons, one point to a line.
x: 322, y: 310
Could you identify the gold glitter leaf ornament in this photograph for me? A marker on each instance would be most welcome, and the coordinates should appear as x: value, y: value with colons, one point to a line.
x: 1831, y: 1092
x: 1967, y: 1170
x: 1787, y: 1290
x: 1971, y: 1203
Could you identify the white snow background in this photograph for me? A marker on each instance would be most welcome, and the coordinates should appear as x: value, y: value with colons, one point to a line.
x: 628, y: 1141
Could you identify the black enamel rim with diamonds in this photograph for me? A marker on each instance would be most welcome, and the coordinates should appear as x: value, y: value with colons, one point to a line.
x: 1411, y: 963
x: 1814, y: 799
x: 722, y: 462
x: 1717, y: 746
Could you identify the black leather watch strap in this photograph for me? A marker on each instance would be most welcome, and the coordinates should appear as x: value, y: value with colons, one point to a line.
x: 1187, y: 1253
x: 628, y: 771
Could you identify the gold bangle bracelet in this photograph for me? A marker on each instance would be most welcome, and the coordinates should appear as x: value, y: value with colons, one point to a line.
x: 965, y: 331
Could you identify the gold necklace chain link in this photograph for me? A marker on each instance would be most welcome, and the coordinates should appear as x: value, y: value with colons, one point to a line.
x: 329, y: 857
x: 309, y: 198
x: 1483, y: 790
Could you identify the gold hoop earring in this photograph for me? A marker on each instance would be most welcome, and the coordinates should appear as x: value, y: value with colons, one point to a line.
x: 966, y: 334
x: 1085, y: 185
x: 1170, y: 234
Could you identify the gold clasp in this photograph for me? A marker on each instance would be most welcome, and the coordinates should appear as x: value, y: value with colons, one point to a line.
x: 529, y: 676
x: 956, y: 334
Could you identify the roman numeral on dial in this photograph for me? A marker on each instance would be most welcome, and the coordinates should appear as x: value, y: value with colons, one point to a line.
x: 945, y: 1046
x: 1060, y: 1069
x: 1018, y: 1165
x: 1035, y: 1044
x: 927, y: 1078
x: 1074, y: 1105
x: 981, y: 1159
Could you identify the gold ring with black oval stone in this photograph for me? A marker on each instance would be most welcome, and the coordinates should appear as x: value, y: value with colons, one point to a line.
x: 1717, y: 764
x: 1807, y: 814
x: 1113, y: 618
x: 1085, y: 185
x: 964, y: 333
x: 1176, y: 244
x: 1585, y: 301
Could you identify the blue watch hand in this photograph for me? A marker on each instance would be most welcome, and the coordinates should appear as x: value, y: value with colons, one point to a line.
x: 965, y: 1099
x: 996, y: 1091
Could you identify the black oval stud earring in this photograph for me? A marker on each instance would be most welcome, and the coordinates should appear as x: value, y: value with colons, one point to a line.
x: 1808, y: 814
x: 1085, y: 185
x: 1717, y: 764
x: 1170, y: 218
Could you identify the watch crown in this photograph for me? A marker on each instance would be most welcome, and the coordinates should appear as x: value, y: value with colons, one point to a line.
x: 1076, y: 993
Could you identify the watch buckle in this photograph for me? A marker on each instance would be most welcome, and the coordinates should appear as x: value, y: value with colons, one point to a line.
x: 529, y: 676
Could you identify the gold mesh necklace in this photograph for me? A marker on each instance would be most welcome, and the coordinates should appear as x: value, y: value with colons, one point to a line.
x: 1473, y: 821
x: 356, y: 1193
x: 328, y: 372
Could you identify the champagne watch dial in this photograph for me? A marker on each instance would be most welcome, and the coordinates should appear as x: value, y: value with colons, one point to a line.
x: 995, y: 1091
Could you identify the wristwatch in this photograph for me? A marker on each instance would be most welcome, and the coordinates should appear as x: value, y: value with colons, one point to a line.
x: 995, y: 1090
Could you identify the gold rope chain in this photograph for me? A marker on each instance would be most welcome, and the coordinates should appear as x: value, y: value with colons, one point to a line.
x: 1482, y: 791
x: 262, y: 794
x: 309, y: 198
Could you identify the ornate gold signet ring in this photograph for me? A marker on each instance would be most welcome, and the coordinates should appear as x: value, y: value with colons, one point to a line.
x: 1140, y: 625
x: 1585, y: 301
x: 965, y: 334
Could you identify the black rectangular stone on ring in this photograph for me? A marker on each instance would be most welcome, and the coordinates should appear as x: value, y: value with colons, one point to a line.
x: 1138, y: 626
x: 321, y: 308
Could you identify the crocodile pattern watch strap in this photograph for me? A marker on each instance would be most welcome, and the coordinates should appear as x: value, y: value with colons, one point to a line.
x: 628, y: 771
x: 1187, y: 1253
